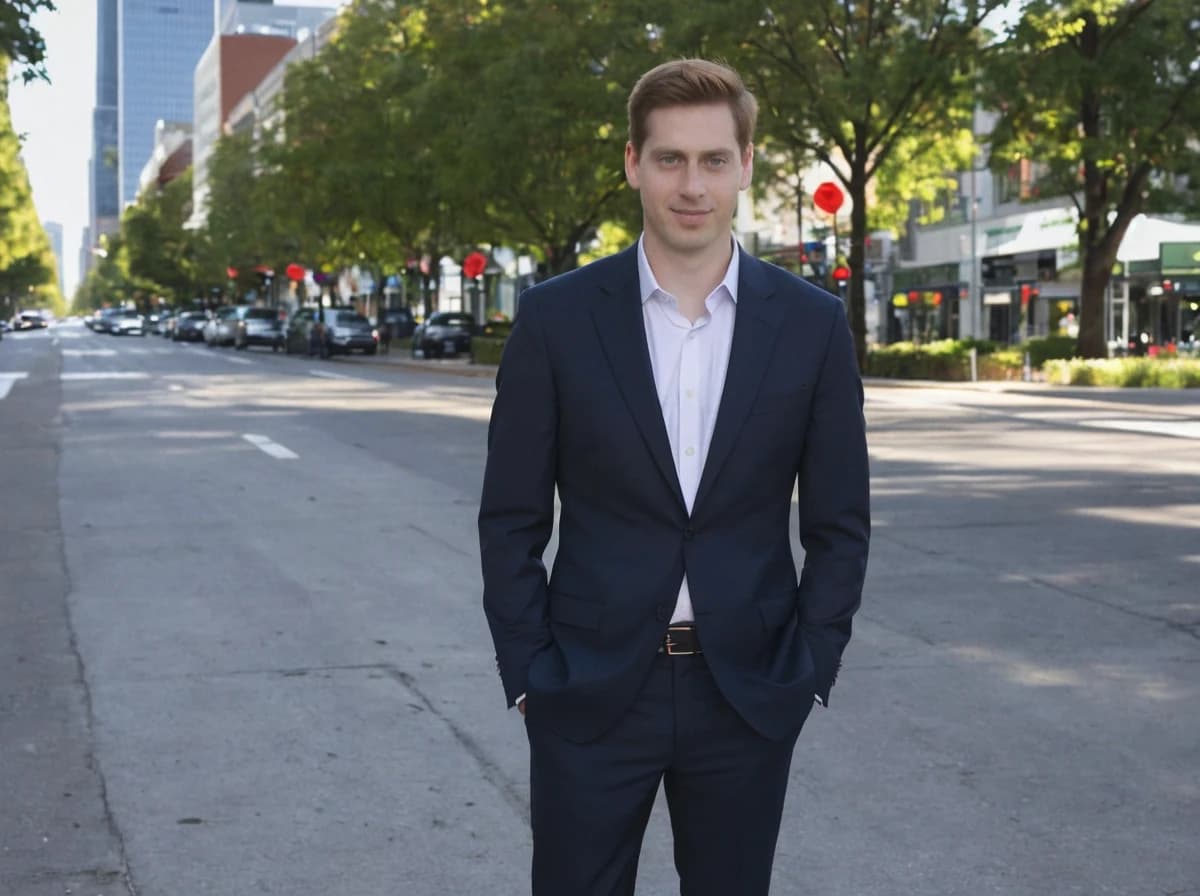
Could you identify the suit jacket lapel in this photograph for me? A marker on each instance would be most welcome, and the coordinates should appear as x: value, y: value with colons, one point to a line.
x: 622, y: 329
x: 755, y: 327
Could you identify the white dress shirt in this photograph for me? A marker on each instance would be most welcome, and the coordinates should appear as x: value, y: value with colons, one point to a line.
x: 689, y: 362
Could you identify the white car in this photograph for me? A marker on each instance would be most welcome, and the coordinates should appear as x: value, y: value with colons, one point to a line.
x: 128, y: 323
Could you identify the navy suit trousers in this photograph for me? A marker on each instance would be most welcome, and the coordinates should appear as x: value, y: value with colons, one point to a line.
x: 724, y: 784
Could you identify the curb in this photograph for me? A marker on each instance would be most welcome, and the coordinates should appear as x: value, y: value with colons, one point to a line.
x: 449, y: 368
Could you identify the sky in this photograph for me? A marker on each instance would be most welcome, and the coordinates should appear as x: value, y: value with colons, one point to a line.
x: 56, y: 121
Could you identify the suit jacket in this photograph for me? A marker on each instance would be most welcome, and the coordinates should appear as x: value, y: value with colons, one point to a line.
x: 577, y: 409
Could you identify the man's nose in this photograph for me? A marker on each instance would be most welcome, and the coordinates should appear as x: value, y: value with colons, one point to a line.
x: 693, y: 181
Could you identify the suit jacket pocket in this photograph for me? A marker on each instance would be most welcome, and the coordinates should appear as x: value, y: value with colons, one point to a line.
x: 777, y: 611
x: 569, y: 610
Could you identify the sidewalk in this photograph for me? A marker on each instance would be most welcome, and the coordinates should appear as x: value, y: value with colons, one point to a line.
x: 460, y: 366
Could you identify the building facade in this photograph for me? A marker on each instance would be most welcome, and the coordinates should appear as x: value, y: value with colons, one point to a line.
x: 171, y: 156
x: 251, y: 41
x: 159, y: 43
x: 104, y: 201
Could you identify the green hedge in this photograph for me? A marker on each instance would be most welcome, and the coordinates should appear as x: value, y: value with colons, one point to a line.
x: 947, y: 359
x: 1046, y: 348
x: 1125, y: 372
x: 486, y: 349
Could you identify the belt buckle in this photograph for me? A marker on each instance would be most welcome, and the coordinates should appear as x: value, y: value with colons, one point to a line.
x: 669, y: 645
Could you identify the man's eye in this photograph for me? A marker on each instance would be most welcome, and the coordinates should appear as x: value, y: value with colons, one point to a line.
x: 668, y: 160
x: 717, y: 161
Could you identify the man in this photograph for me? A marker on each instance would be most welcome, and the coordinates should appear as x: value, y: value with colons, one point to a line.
x: 672, y: 394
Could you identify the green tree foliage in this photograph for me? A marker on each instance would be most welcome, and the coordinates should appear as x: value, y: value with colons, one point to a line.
x: 526, y: 114
x: 20, y: 42
x: 1106, y: 95
x: 27, y: 264
x: 881, y: 92
x: 161, y: 252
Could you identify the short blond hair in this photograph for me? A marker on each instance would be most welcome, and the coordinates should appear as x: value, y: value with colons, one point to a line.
x: 691, y: 82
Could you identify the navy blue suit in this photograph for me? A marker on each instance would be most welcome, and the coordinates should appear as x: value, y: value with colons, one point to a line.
x: 577, y: 409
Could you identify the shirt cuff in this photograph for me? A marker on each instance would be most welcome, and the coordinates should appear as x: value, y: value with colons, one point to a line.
x: 517, y: 703
x: 816, y: 697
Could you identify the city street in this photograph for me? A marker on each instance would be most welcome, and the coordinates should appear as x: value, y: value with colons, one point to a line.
x: 242, y: 649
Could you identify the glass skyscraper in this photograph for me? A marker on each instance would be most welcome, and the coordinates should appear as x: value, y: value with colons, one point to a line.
x: 105, y: 202
x: 160, y: 42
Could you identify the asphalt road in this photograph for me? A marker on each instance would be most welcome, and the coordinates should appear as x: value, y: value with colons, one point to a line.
x: 241, y: 648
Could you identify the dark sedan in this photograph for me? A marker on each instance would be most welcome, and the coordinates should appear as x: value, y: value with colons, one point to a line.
x: 189, y: 327
x: 445, y: 333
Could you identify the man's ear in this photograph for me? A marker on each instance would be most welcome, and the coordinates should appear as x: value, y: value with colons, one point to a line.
x: 747, y: 166
x: 631, y: 160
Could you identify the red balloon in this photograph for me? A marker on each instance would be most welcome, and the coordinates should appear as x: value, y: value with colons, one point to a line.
x: 231, y: 272
x: 828, y: 197
x: 474, y: 264
x: 295, y: 272
x: 841, y: 272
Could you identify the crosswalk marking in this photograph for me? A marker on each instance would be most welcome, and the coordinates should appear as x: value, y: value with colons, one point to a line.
x: 104, y: 375
x: 262, y: 443
x: 1184, y: 429
x: 7, y: 380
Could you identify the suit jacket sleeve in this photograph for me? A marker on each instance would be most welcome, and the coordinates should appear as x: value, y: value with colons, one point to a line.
x: 516, y: 512
x: 835, y: 518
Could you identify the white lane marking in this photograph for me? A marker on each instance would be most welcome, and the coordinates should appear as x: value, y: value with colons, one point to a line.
x: 233, y: 360
x: 262, y: 443
x: 336, y: 376
x: 7, y: 380
x: 1184, y: 429
x: 174, y: 387
x: 104, y: 375
x: 89, y: 352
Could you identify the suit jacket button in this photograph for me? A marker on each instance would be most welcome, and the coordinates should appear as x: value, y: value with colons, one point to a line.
x: 688, y: 533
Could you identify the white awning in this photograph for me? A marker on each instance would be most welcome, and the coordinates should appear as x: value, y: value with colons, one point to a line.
x: 1144, y: 235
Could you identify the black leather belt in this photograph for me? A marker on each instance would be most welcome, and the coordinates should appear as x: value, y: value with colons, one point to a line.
x: 681, y: 640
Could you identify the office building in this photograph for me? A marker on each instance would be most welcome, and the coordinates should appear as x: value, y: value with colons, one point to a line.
x: 104, y: 203
x: 159, y: 44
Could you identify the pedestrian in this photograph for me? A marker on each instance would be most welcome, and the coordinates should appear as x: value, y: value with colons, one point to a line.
x: 672, y: 395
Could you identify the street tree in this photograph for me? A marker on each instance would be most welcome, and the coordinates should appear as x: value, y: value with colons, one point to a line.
x: 865, y: 88
x: 525, y: 111
x: 20, y: 42
x: 1103, y: 96
x: 161, y: 250
x: 27, y: 263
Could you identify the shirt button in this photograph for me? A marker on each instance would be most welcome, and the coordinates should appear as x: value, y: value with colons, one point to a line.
x: 691, y: 393
x: 689, y: 451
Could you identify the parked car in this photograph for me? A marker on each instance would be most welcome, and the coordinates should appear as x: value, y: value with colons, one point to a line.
x: 189, y: 327
x: 400, y: 320
x: 445, y: 333
x: 219, y: 330
x: 258, y: 326
x: 127, y: 322
x: 160, y: 323
x: 104, y: 320
x: 343, y: 331
x: 30, y: 320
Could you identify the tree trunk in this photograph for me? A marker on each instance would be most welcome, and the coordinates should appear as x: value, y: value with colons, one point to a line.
x: 857, y: 304
x: 1097, y: 271
x: 560, y: 259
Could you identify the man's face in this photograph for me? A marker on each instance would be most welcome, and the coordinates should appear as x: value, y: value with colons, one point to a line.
x: 689, y: 173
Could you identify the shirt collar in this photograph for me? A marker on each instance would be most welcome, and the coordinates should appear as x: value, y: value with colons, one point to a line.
x: 649, y: 285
